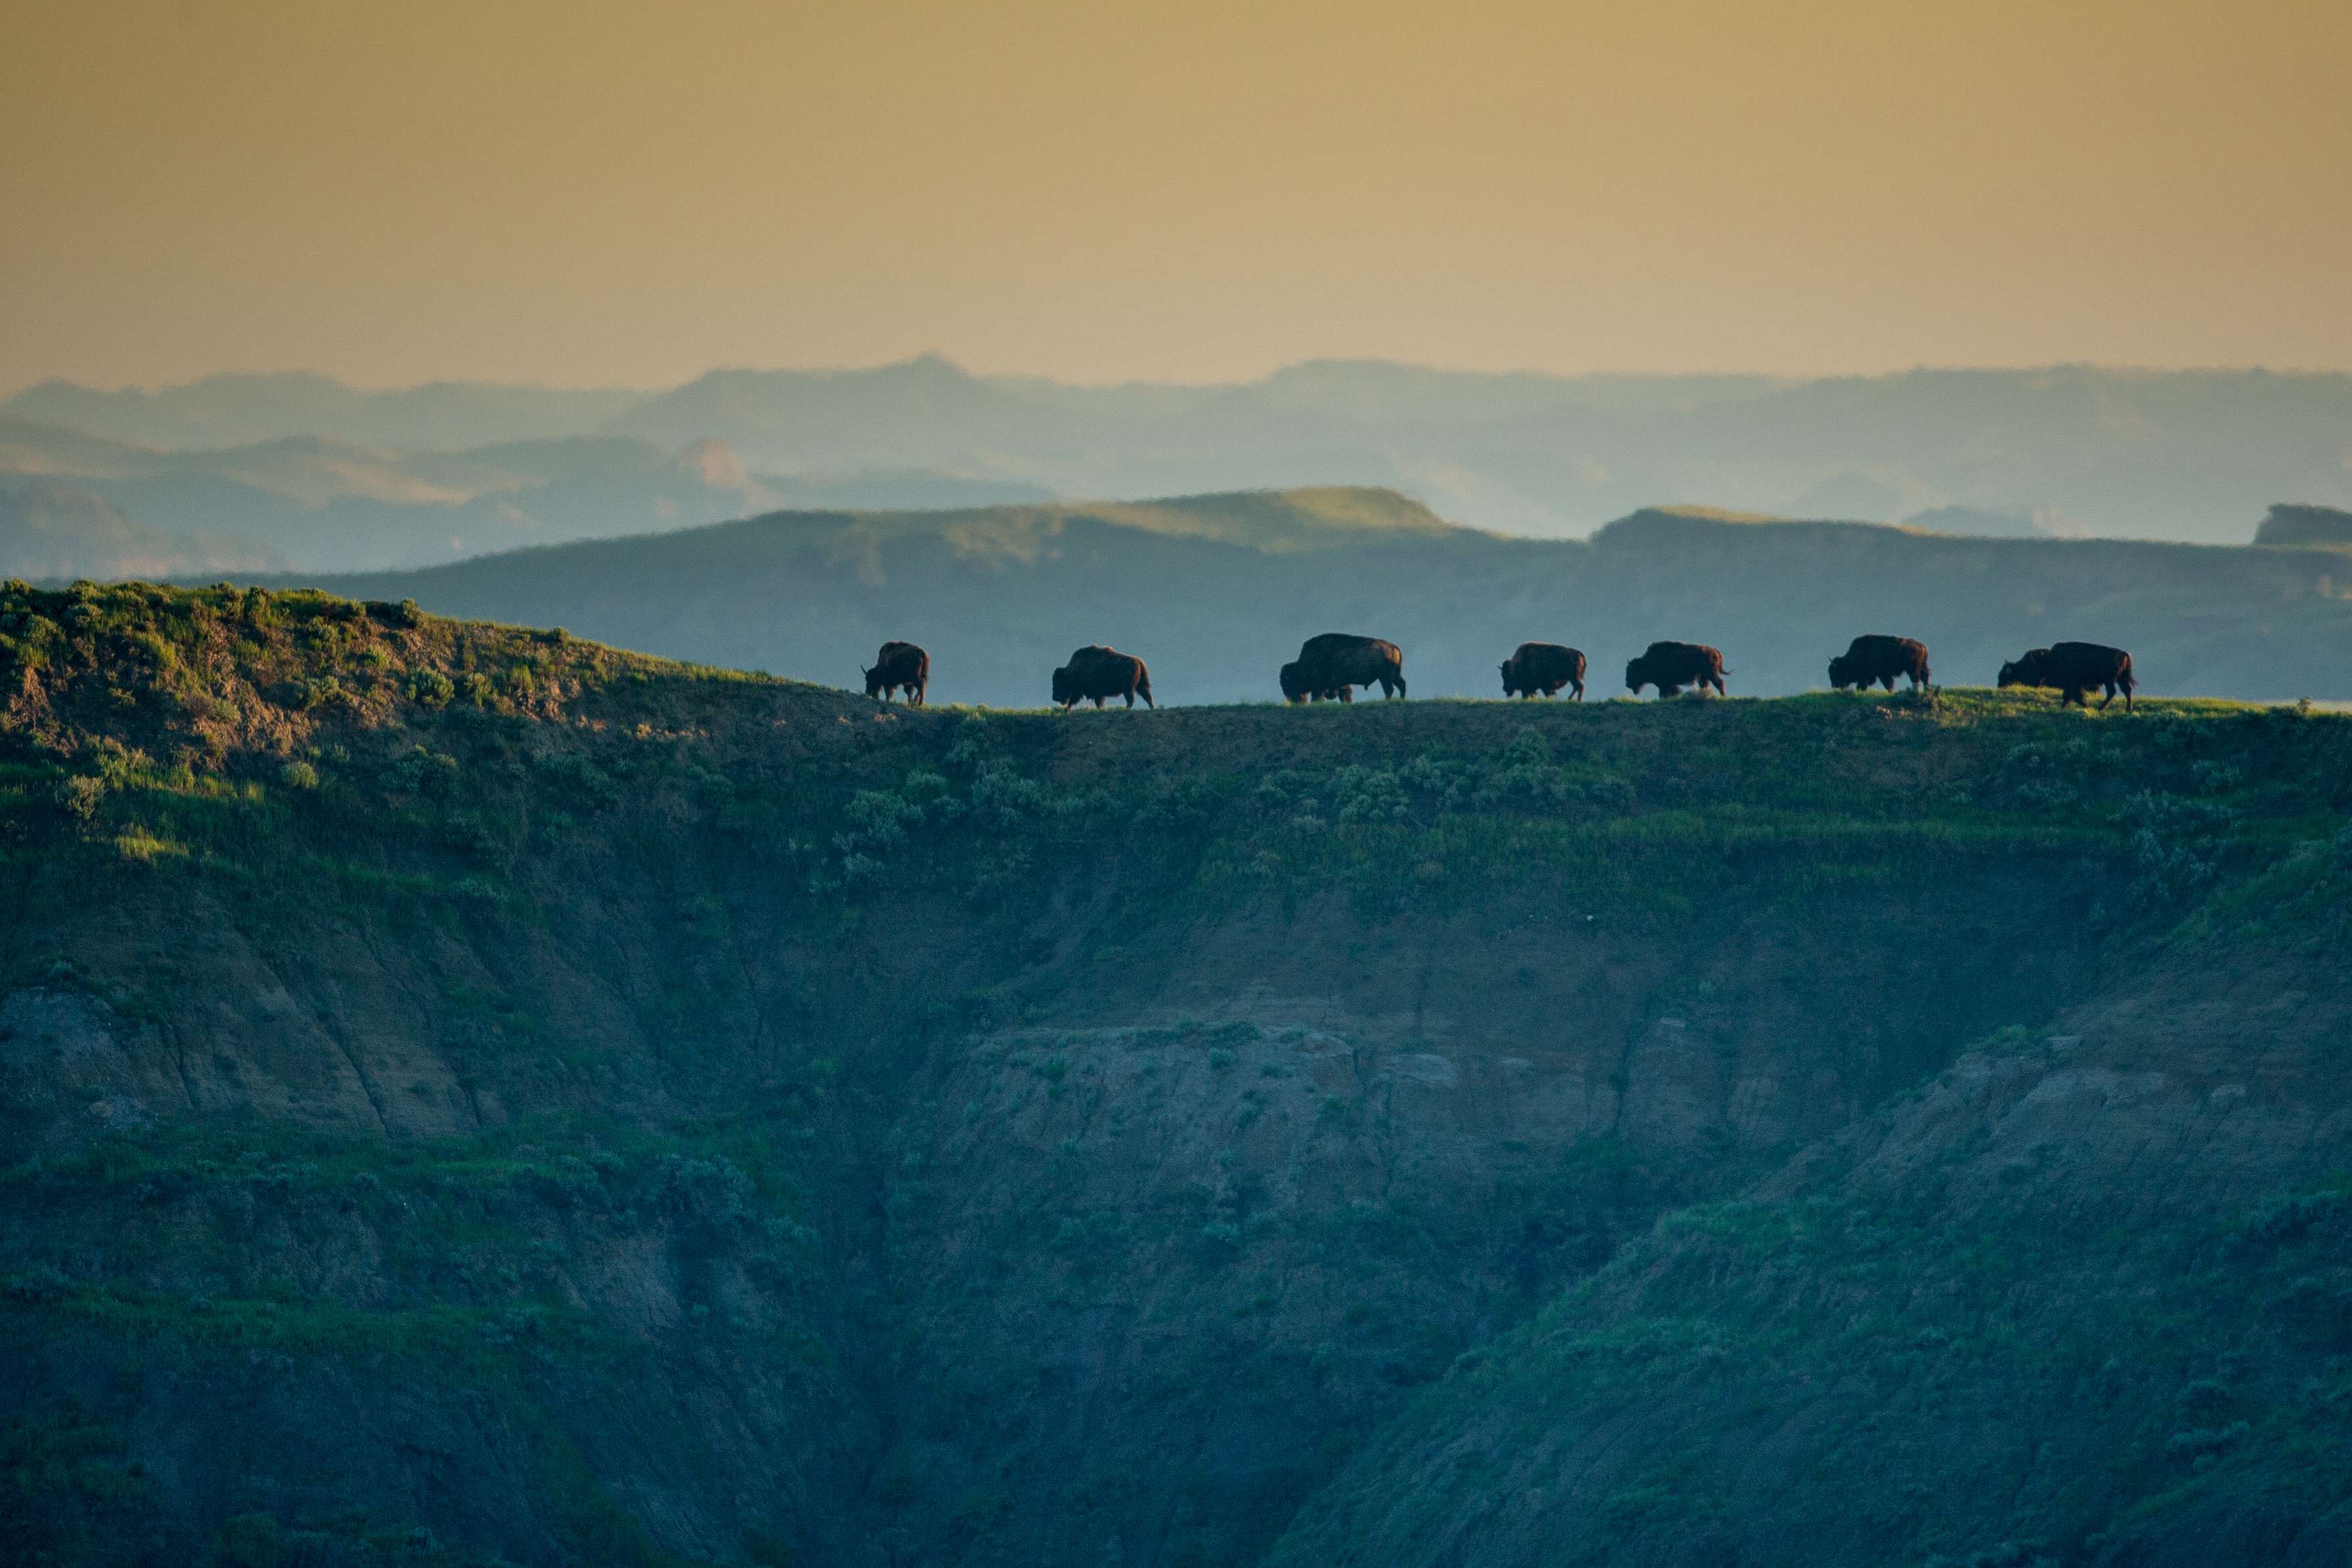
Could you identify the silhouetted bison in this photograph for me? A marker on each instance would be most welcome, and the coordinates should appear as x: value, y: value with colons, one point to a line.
x: 1671, y: 667
x: 899, y: 665
x: 1295, y: 688
x: 2074, y: 668
x: 1098, y: 672
x: 1872, y: 658
x: 1541, y: 669
x: 1332, y: 665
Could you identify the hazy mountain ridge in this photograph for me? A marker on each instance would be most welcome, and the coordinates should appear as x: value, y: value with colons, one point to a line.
x: 999, y: 596
x: 333, y: 505
x: 2185, y: 454
x: 243, y: 409
x: 49, y: 530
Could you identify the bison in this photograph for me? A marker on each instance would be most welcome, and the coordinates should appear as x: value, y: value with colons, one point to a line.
x: 1541, y: 669
x: 2074, y: 668
x: 1295, y: 688
x: 1671, y: 667
x: 1098, y: 672
x: 1872, y: 658
x: 1333, y: 665
x: 899, y: 665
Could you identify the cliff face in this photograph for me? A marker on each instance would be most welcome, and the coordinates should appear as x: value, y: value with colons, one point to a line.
x: 469, y: 1093
x: 2081, y: 1298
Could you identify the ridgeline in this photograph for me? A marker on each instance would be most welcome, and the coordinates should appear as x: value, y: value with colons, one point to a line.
x: 472, y: 1095
x: 1216, y: 592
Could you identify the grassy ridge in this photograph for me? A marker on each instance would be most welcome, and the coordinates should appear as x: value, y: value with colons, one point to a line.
x: 1216, y: 592
x: 634, y: 1017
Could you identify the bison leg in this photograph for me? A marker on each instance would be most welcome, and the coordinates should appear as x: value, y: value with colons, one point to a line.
x: 1580, y: 691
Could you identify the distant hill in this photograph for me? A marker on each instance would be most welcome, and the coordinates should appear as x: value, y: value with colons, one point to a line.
x: 2189, y: 454
x: 49, y: 530
x: 2193, y: 456
x: 2290, y: 525
x: 324, y: 504
x: 1216, y: 592
x: 241, y: 409
x: 2014, y: 523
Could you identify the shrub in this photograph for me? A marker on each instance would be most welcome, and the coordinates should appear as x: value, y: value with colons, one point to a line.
x: 466, y: 831
x: 2286, y: 1216
x: 582, y: 778
x: 39, y: 1283
x: 299, y: 776
x: 2206, y: 1440
x: 78, y: 797
x: 421, y: 772
x: 474, y: 891
x: 431, y: 689
x: 402, y: 615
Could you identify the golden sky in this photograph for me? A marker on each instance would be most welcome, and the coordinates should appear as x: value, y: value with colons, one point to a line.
x: 599, y: 193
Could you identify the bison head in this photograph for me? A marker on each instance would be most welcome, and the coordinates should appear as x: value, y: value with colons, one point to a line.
x: 1840, y: 672
x: 2028, y: 669
x: 873, y: 682
x: 1065, y: 684
x: 1294, y: 684
x: 1636, y: 677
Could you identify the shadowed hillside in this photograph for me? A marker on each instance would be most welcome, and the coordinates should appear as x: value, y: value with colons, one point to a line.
x: 1216, y: 592
x: 472, y: 1094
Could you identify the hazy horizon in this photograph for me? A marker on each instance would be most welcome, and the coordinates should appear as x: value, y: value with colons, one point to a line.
x: 1017, y: 377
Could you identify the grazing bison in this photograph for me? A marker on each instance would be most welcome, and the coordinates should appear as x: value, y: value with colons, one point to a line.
x: 1541, y: 669
x: 1334, y: 664
x: 899, y: 665
x: 1098, y: 672
x: 2074, y: 668
x: 1872, y: 658
x: 1295, y: 688
x: 1671, y: 667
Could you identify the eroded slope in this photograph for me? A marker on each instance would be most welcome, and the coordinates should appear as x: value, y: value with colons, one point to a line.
x: 468, y: 1088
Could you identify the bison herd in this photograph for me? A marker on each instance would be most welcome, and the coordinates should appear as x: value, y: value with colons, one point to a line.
x: 1332, y: 665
